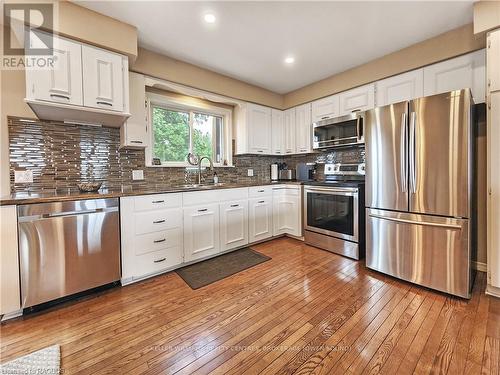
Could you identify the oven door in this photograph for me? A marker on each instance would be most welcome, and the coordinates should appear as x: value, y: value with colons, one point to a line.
x: 332, y: 211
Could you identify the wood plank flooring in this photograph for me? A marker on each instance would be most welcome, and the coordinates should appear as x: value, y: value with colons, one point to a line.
x: 306, y: 311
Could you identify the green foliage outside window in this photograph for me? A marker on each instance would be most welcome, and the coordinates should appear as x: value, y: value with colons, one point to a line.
x: 171, y: 134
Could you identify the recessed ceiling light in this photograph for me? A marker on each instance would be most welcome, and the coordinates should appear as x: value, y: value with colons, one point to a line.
x: 209, y: 18
x: 289, y: 60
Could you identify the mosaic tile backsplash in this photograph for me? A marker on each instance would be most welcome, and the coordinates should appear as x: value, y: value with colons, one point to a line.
x: 61, y: 155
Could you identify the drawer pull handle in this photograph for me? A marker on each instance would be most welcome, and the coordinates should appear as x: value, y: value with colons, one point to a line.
x: 235, y: 205
x: 203, y: 210
x: 160, y: 260
x: 162, y: 201
x: 260, y: 191
x: 261, y: 202
x: 158, y: 241
x: 139, y: 142
x: 104, y: 103
x: 158, y: 221
x: 59, y: 96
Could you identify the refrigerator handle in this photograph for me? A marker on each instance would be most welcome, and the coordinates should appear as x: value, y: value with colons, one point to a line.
x: 412, y: 153
x: 403, y: 153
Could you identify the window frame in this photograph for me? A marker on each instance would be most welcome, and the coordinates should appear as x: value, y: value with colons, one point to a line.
x: 184, y: 105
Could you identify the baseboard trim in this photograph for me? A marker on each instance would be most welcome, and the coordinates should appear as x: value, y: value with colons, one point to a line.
x: 479, y: 266
x: 492, y: 291
x: 11, y: 315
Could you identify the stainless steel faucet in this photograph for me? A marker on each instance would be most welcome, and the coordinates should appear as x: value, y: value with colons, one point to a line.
x: 196, y: 160
x: 199, y: 167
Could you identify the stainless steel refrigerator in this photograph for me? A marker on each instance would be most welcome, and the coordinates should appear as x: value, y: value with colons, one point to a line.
x: 419, y: 184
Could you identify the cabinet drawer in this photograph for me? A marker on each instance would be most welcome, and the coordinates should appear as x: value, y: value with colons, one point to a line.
x: 197, y: 198
x: 149, y: 242
x: 157, y: 261
x: 156, y: 221
x: 157, y: 201
x: 232, y: 194
x: 288, y: 190
x: 259, y: 191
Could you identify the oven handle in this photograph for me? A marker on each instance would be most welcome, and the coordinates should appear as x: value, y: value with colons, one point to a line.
x: 336, y: 191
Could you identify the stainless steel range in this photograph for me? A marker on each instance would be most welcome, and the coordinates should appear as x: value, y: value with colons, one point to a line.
x: 334, y: 210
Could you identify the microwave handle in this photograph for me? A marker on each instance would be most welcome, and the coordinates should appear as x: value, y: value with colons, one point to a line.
x: 359, y: 128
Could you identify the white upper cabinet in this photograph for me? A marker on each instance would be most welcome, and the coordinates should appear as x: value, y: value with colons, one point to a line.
x: 359, y: 99
x: 289, y: 130
x: 494, y: 61
x: 303, y: 128
x: 102, y: 79
x: 63, y: 84
x: 406, y: 86
x: 325, y: 108
x: 259, y: 122
x: 467, y: 71
x: 277, y: 126
x: 134, y: 132
x: 253, y: 129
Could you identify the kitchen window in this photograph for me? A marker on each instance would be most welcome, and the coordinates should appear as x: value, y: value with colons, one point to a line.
x: 178, y: 129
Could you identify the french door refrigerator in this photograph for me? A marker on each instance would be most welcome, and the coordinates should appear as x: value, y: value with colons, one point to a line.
x: 419, y: 181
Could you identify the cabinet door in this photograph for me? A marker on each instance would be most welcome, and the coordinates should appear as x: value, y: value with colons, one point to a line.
x: 233, y: 224
x: 406, y: 86
x: 494, y: 61
x: 303, y: 129
x: 259, y: 129
x: 63, y: 83
x: 289, y: 125
x: 9, y: 261
x: 201, y: 231
x: 277, y: 132
x: 358, y: 99
x: 134, y: 131
x: 467, y: 71
x: 260, y: 219
x: 325, y: 108
x: 102, y: 79
x: 286, y: 213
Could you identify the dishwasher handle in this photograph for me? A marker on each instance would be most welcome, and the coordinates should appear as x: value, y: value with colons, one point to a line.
x: 66, y: 214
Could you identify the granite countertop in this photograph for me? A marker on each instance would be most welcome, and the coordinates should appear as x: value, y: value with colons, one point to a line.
x: 75, y: 194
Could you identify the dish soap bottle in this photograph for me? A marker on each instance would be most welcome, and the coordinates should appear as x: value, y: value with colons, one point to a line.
x: 216, y: 178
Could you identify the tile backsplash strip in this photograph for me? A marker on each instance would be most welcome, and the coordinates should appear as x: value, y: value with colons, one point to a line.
x: 61, y: 155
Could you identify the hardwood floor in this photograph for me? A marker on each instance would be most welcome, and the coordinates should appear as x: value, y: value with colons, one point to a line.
x: 306, y: 311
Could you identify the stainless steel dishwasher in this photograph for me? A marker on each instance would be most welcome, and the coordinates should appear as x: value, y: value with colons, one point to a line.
x: 67, y: 247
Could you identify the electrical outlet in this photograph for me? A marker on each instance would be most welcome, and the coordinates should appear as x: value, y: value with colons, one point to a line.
x: 23, y: 177
x: 250, y: 172
x: 137, y: 175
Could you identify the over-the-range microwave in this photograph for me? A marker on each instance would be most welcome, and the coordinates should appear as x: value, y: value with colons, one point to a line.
x: 339, y: 132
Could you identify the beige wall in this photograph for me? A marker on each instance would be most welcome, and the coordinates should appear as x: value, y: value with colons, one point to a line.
x: 160, y: 66
x: 94, y: 28
x: 441, y: 47
x: 486, y: 16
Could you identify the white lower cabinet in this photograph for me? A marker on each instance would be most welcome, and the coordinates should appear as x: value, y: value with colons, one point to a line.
x: 10, y: 292
x: 233, y: 224
x: 201, y: 231
x: 160, y: 232
x: 260, y: 218
x: 152, y: 228
x: 286, y: 211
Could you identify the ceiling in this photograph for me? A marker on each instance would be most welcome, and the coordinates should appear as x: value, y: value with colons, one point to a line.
x: 250, y: 40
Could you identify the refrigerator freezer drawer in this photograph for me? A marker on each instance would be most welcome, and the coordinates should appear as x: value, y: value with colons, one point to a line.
x: 427, y: 250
